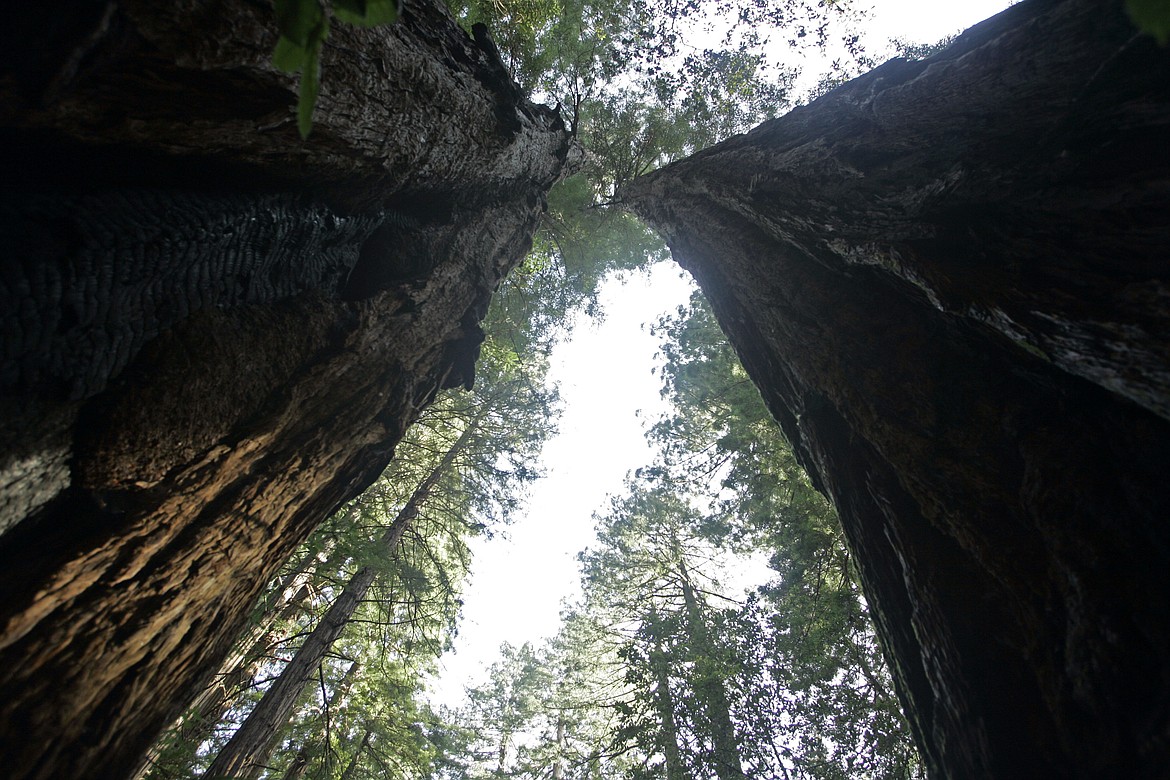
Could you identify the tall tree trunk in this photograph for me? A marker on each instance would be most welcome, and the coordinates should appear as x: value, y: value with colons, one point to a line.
x: 209, y: 707
x: 709, y: 684
x: 948, y: 279
x: 558, y: 768
x: 246, y: 753
x: 300, y: 762
x: 215, y: 333
x: 664, y: 704
x: 239, y: 667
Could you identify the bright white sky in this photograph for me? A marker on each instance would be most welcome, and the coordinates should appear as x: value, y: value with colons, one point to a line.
x: 520, y: 579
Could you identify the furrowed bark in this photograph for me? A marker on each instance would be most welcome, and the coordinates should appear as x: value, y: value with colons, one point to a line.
x: 214, y: 333
x: 949, y: 280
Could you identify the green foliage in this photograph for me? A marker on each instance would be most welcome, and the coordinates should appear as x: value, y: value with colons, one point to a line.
x: 638, y: 94
x: 304, y: 27
x: 366, y: 13
x: 821, y: 696
x: 661, y: 670
x: 664, y: 671
x: 577, y: 244
x: 1151, y: 17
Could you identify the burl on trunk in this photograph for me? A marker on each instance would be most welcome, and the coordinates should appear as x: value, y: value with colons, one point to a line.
x: 214, y: 333
x: 951, y: 281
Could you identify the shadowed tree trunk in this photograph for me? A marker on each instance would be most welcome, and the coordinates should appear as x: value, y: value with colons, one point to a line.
x: 949, y: 280
x: 354, y: 762
x: 214, y: 333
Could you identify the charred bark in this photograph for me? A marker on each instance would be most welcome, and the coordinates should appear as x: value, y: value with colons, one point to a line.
x: 949, y: 280
x: 214, y: 333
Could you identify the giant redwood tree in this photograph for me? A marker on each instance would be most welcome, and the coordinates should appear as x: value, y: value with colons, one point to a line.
x: 948, y: 278
x: 951, y: 281
x: 214, y: 333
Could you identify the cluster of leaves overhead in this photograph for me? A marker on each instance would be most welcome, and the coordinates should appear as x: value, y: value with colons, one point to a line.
x: 831, y: 690
x: 651, y: 77
x: 644, y: 83
x: 663, y: 670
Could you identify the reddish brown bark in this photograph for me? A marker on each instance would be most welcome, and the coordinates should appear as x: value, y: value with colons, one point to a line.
x: 215, y: 333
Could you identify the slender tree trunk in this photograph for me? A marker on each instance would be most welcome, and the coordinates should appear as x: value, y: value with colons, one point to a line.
x: 502, y: 754
x: 238, y: 669
x: 352, y: 767
x: 208, y: 709
x: 245, y: 754
x: 300, y: 764
x: 214, y: 333
x: 948, y: 280
x: 664, y: 703
x: 709, y: 684
x: 558, y: 770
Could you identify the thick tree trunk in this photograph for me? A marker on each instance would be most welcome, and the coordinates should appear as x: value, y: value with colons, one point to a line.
x: 214, y: 333
x: 949, y: 279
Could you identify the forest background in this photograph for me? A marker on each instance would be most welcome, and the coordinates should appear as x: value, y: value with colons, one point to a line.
x: 662, y: 664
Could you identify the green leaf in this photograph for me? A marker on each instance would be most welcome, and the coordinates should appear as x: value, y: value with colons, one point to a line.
x: 366, y: 13
x: 1151, y: 16
x: 310, y: 83
x: 299, y: 20
x: 299, y: 49
x: 288, y: 56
